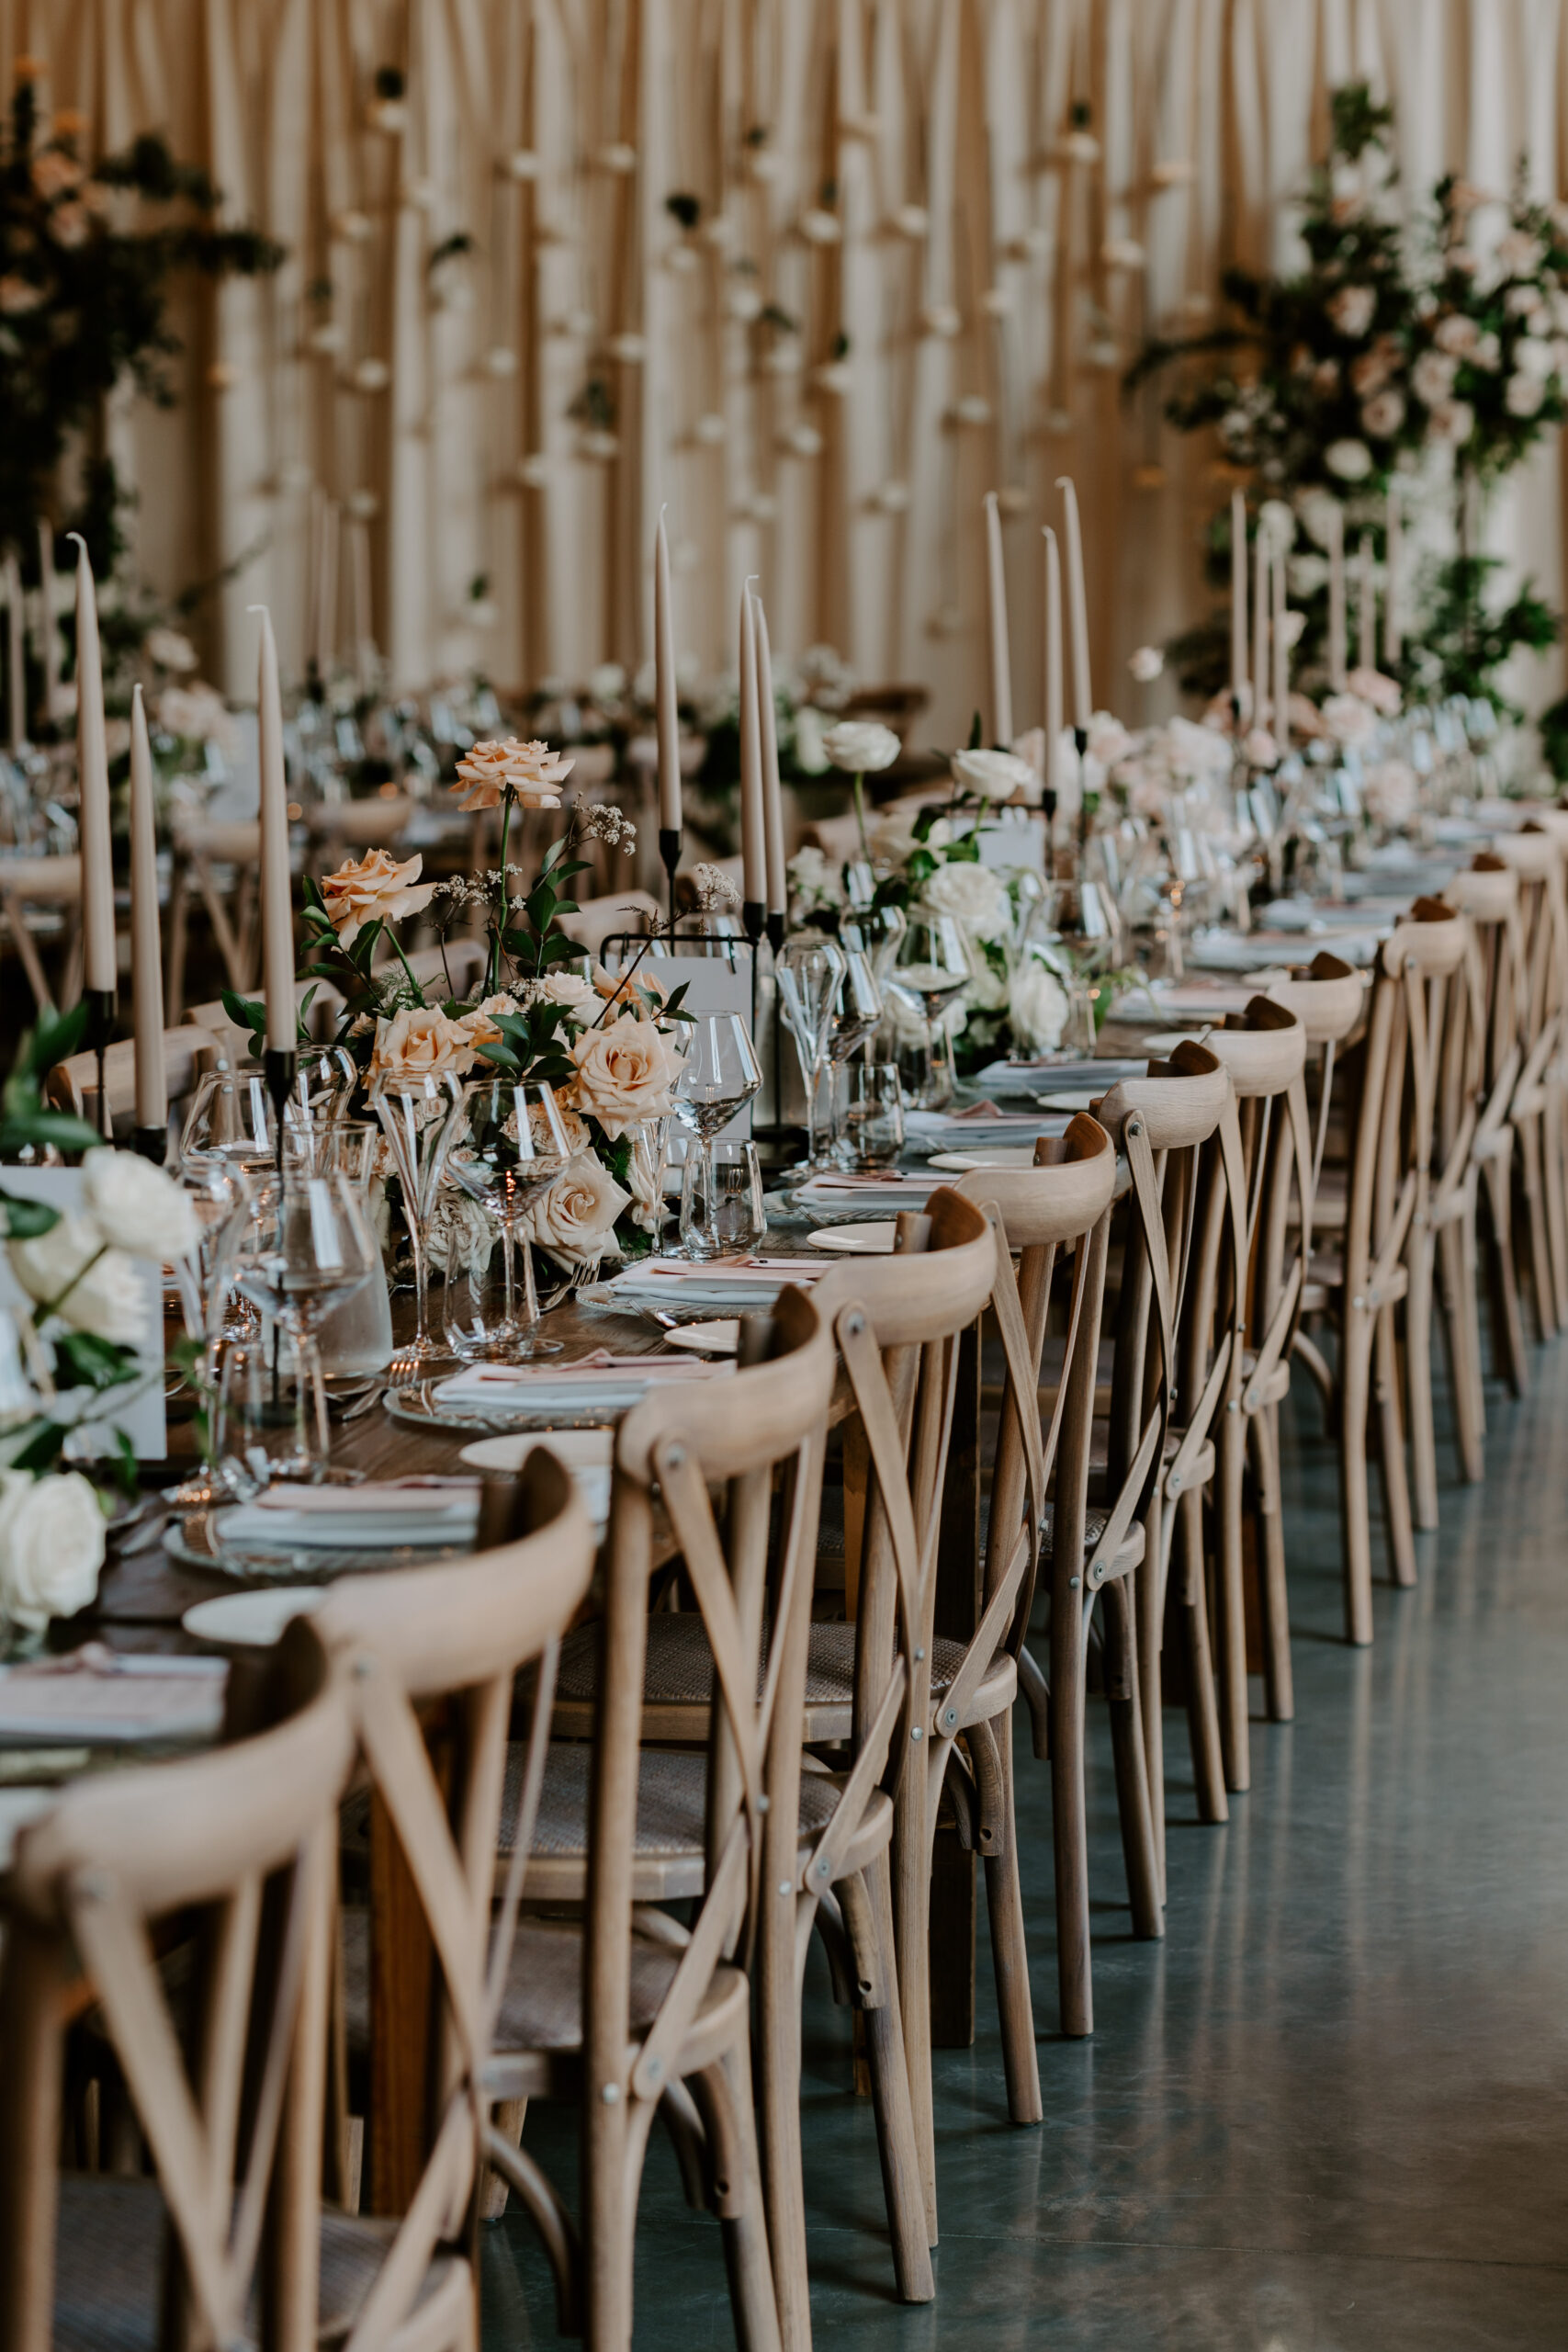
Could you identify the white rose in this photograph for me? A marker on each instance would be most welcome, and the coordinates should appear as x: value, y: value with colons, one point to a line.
x: 1307, y: 574
x: 1532, y: 356
x: 1456, y: 334
x: 1351, y: 311
x: 137, y: 1207
x: 810, y: 738
x: 892, y: 836
x: 607, y: 681
x: 861, y: 747
x: 1374, y: 687
x: 1432, y: 377
x: 51, y: 1546
x: 579, y: 995
x: 995, y: 775
x: 1108, y: 740
x: 1348, y: 719
x: 814, y: 879
x: 1522, y: 395
x: 1453, y: 421
x: 1351, y: 461
x: 98, y: 1288
x: 1384, y: 415
x: 1317, y: 508
x: 1146, y: 664
x: 1390, y: 793
x: 975, y: 894
x: 171, y: 649
x: 989, y: 990
x: 574, y: 1219
x: 1038, y: 1009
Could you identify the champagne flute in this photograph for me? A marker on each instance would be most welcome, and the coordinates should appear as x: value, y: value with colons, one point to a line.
x: 810, y: 974
x: 421, y: 1117
x: 930, y: 969
x: 857, y: 1018
x: 719, y: 1077
x: 514, y: 1146
x: 303, y: 1245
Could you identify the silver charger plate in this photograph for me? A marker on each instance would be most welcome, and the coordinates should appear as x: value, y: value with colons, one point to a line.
x: 416, y: 1408
x: 194, y: 1540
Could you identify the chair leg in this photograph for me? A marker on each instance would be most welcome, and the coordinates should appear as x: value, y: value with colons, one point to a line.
x: 1231, y: 1610
x: 1457, y: 1265
x: 740, y: 2200
x: 1535, y: 1208
x: 1391, y: 1437
x: 1279, y: 1682
x: 1418, y: 1380
x: 1356, y: 1532
x: 1068, y: 1813
x: 1508, y: 1327
x: 911, y: 1930
x: 1556, y: 1204
x: 896, y: 2143
x: 1203, y: 1707
x: 1009, y: 1948
x: 778, y: 2110
x: 1127, y: 1748
x: 1149, y: 1596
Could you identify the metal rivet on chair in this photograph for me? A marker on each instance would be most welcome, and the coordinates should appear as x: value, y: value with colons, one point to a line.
x: 1074, y: 1582
x: 611, y: 2094
x: 918, y: 1654
x: 786, y: 1886
x: 915, y: 1732
x: 653, y: 2069
x: 950, y: 1716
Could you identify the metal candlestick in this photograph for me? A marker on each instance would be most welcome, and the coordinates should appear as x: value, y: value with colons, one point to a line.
x: 670, y: 857
x: 100, y: 1004
x: 280, y: 1065
x: 151, y: 1143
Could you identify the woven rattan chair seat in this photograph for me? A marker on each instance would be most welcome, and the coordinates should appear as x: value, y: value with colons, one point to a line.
x: 672, y: 1793
x: 110, y: 2242
x: 542, y: 2008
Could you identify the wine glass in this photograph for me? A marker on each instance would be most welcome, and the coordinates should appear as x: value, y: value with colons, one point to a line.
x: 421, y: 1117
x: 213, y: 1315
x: 857, y: 1018
x: 719, y: 1077
x: 876, y: 931
x: 512, y: 1147
x: 931, y: 968
x: 230, y: 1119
x: 299, y: 1247
x: 810, y: 974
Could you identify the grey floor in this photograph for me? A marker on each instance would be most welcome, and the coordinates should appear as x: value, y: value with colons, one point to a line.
x: 1331, y: 2110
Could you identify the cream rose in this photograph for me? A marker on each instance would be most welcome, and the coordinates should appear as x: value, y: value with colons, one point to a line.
x: 137, y: 1207
x: 1038, y: 1009
x: 861, y: 747
x: 995, y: 775
x: 625, y: 1073
x: 420, y: 1042
x: 976, y: 895
x: 1373, y: 688
x: 479, y: 1026
x: 1146, y: 664
x: 1348, y: 719
x: 574, y: 1218
x: 579, y: 995
x: 376, y: 887
x: 97, y: 1288
x: 532, y: 770
x: 51, y: 1546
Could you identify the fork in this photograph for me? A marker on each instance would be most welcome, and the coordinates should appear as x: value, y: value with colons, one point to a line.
x: 400, y: 1370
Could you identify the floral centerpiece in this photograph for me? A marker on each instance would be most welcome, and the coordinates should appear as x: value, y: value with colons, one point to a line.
x: 543, y: 1012
x: 69, y: 1358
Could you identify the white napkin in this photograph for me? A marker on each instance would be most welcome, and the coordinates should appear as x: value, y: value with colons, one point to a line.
x: 96, y: 1696
x: 611, y: 1382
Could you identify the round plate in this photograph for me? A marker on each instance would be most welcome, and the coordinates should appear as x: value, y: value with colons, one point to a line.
x: 872, y: 1239
x: 1071, y: 1098
x: 1001, y: 1155
x: 250, y: 1620
x: 578, y: 1449
x: 720, y: 1337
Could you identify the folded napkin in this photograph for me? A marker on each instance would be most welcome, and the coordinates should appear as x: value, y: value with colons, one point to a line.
x: 881, y: 1179
x: 745, y: 1273
x: 457, y: 1498
x: 96, y: 1696
x: 601, y: 1379
x: 270, y: 1526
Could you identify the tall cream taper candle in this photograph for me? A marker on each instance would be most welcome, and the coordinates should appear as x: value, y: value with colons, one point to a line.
x: 48, y: 630
x: 15, y: 654
x: 1260, y: 562
x: 1393, y: 618
x: 99, y: 957
x: 666, y: 699
x: 1078, y: 606
x: 276, y: 881
x: 773, y: 790
x: 1052, y: 660
x: 997, y: 614
x: 1366, y: 606
x: 1281, y: 717
x: 1238, y: 599
x: 1336, y: 618
x: 146, y: 943
x: 754, y: 850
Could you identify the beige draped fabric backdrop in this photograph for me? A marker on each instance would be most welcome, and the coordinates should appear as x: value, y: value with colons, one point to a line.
x: 932, y: 235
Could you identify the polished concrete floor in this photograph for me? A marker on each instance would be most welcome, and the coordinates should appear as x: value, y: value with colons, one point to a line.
x: 1329, y: 2113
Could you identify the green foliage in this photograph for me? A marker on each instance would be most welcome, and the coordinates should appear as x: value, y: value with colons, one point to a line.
x: 24, y: 1120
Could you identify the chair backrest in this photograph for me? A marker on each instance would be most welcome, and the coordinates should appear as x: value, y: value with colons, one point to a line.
x: 1327, y: 997
x: 597, y: 920
x: 1536, y: 856
x: 461, y: 1631
x: 1487, y: 893
x: 246, y: 1837
x: 1264, y: 1050
x: 746, y: 1563
x: 43, y: 881
x: 233, y: 841
x: 188, y: 1053
x: 363, y: 824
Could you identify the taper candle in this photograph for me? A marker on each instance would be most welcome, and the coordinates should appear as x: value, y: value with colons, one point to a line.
x: 16, y: 657
x: 359, y: 600
x: 665, y: 696
x: 324, y: 649
x: 1392, y: 618
x: 754, y: 850
x: 99, y: 958
x: 146, y: 943
x: 1366, y: 606
x: 1052, y: 660
x: 1078, y: 608
x: 48, y: 633
x: 997, y: 614
x: 1336, y: 624
x: 1281, y: 719
x: 276, y: 882
x: 773, y: 791
x: 1238, y: 598
x: 1261, y: 567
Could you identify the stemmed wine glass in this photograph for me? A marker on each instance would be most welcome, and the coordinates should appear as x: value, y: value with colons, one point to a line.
x: 719, y: 1077
x: 219, y: 1191
x: 421, y: 1117
x: 876, y: 931
x: 858, y: 1018
x: 811, y: 972
x: 299, y: 1247
x: 931, y: 968
x: 512, y: 1147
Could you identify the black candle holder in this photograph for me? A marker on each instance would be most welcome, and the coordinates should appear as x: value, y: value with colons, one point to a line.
x: 151, y: 1143
x: 100, y: 1004
x: 670, y: 858
x: 280, y: 1067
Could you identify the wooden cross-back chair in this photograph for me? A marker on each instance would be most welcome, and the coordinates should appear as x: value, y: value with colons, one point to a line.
x: 649, y: 2013
x: 243, y: 1840
x: 1536, y: 856
x: 44, y: 882
x: 1362, y: 1281
x: 200, y: 846
x: 1255, y: 1286
x: 72, y: 1085
x: 460, y: 1634
x: 1554, y: 822
x: 1161, y: 1456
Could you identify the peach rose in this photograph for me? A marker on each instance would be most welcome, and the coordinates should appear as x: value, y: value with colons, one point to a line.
x: 376, y: 887
x: 625, y: 1073
x: 532, y: 770
x: 575, y: 1218
x: 479, y: 1026
x: 420, y: 1042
